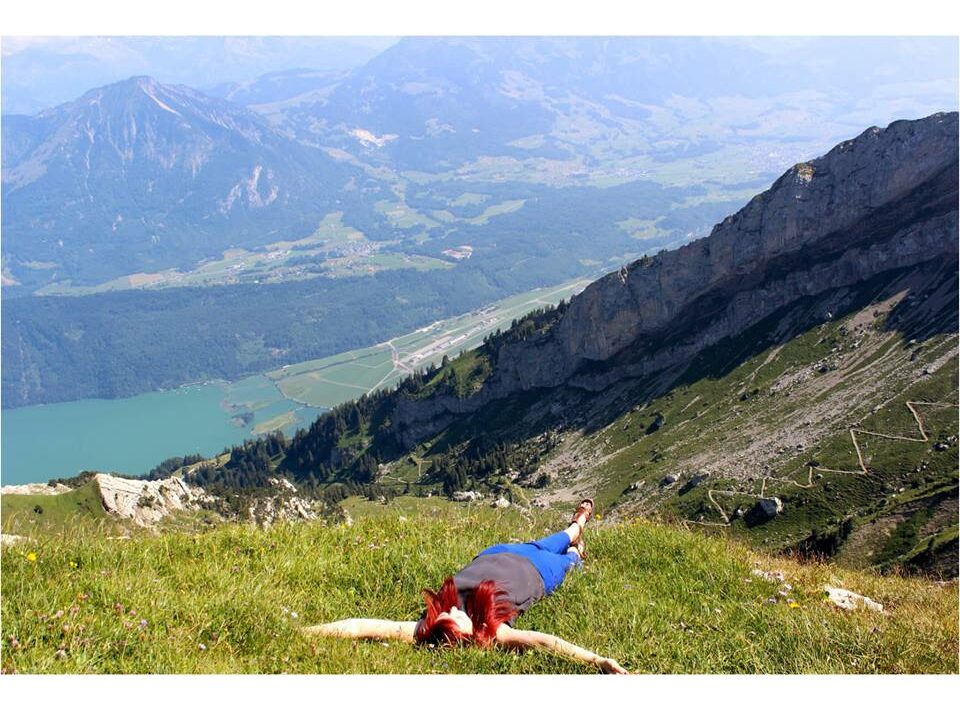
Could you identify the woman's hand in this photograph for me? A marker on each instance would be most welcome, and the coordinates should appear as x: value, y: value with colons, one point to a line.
x: 608, y: 665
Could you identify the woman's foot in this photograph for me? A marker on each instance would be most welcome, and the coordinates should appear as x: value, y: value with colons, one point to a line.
x: 583, y: 513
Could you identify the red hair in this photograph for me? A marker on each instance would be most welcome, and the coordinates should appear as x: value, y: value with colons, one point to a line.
x: 485, y: 606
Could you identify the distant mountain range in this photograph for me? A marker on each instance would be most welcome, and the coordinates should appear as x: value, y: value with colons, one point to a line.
x: 42, y: 72
x: 141, y: 175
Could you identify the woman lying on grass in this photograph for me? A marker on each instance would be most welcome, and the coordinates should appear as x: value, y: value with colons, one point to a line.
x: 478, y: 604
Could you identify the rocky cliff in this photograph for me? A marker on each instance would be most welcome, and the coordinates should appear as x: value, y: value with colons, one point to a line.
x: 144, y: 503
x: 882, y: 201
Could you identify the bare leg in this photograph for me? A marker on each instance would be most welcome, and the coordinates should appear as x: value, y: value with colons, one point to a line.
x: 575, y: 528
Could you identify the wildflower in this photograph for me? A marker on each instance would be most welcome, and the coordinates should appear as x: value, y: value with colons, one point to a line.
x: 14, y: 644
x: 73, y: 564
x: 118, y: 607
x: 81, y: 596
x: 202, y: 646
x: 294, y: 615
x: 74, y: 610
x: 60, y: 655
x: 58, y: 615
x: 794, y: 605
x: 143, y: 623
x: 31, y: 556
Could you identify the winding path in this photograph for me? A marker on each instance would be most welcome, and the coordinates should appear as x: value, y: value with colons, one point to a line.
x: 864, y: 469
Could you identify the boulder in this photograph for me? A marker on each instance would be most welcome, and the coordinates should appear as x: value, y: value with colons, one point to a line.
x: 466, y: 496
x: 500, y: 502
x: 845, y: 599
x: 668, y: 480
x: 763, y: 510
x: 695, y: 481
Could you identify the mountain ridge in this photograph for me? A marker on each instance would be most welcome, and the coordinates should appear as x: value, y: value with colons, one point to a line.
x: 646, y: 295
x: 139, y: 174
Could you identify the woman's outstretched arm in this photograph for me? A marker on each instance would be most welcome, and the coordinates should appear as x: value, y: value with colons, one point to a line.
x: 381, y: 629
x: 516, y: 638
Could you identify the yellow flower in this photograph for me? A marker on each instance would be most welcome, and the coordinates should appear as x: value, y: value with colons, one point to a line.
x: 73, y: 564
x: 794, y: 605
x: 31, y: 556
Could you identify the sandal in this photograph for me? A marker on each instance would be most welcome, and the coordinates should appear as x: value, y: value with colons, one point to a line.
x: 583, y: 510
x: 581, y: 548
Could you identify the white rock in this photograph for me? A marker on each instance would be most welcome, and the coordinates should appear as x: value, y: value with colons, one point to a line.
x: 146, y: 502
x: 282, y: 483
x: 845, y: 599
x: 463, y: 496
x: 14, y: 539
x: 35, y: 489
x: 500, y: 503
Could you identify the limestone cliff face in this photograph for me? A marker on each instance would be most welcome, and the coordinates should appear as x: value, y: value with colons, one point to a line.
x: 884, y: 200
x: 145, y: 503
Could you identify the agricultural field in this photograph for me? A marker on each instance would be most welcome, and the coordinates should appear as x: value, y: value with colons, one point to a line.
x: 332, y: 380
x: 333, y: 250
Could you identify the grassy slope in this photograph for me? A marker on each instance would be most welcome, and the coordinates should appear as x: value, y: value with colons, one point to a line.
x: 55, y: 514
x: 732, y: 421
x: 659, y: 599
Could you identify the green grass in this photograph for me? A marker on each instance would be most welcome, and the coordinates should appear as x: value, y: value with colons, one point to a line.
x: 660, y: 600
x: 54, y: 514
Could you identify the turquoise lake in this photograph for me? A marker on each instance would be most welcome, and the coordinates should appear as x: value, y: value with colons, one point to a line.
x: 135, y: 434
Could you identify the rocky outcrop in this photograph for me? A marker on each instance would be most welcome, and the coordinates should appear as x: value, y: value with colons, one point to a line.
x: 285, y: 504
x: 144, y: 503
x: 882, y: 201
x: 35, y: 489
